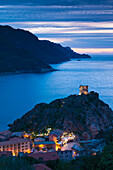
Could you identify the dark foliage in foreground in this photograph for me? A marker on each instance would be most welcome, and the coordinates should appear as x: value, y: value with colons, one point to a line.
x: 12, y: 163
x: 102, y: 161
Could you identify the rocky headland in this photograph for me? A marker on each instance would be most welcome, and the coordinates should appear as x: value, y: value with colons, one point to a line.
x: 85, y: 115
x: 23, y: 52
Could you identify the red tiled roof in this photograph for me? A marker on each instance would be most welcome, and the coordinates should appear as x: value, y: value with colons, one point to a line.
x: 2, y: 137
x: 41, y: 167
x: 45, y: 156
x: 14, y: 141
x: 53, y: 134
x: 5, y: 133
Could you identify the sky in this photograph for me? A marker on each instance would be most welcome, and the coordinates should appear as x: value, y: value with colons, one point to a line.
x: 84, y: 25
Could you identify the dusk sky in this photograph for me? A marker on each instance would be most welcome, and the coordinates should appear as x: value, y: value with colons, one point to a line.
x: 85, y: 26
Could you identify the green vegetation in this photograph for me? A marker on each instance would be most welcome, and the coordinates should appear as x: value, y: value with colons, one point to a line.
x: 102, y: 161
x: 13, y: 163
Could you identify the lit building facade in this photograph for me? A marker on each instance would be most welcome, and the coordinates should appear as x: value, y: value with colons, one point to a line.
x: 45, y: 144
x: 83, y: 90
x: 15, y: 145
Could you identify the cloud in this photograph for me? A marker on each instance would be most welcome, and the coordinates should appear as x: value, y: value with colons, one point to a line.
x: 81, y: 26
x: 57, y: 40
x: 94, y: 50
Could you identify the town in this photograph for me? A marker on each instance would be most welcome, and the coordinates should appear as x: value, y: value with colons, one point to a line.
x: 50, y: 145
x: 64, y: 145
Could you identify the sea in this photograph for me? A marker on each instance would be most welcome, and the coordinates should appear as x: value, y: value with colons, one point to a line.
x: 20, y: 93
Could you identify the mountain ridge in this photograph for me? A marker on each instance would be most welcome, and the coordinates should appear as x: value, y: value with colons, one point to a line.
x: 22, y: 52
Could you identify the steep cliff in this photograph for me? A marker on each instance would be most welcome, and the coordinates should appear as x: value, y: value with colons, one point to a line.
x: 73, y: 54
x: 85, y: 115
x: 15, y: 56
x: 23, y: 52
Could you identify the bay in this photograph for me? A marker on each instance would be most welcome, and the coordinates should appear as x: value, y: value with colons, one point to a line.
x: 20, y: 93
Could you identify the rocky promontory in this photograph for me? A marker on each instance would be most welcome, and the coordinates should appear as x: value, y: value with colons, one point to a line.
x: 85, y: 115
x: 74, y: 55
x: 23, y: 52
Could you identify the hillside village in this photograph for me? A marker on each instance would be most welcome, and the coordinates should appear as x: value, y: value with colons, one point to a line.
x: 64, y: 145
x: 51, y: 144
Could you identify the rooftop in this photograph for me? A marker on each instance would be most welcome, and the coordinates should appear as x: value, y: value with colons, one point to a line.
x: 44, y: 156
x: 44, y: 142
x: 5, y: 133
x: 77, y: 147
x: 2, y: 137
x: 14, y: 141
x: 41, y: 167
x: 57, y: 131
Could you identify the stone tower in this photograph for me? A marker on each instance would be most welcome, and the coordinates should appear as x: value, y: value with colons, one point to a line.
x: 83, y: 89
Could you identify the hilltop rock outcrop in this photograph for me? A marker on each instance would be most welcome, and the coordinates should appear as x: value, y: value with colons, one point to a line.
x: 85, y: 115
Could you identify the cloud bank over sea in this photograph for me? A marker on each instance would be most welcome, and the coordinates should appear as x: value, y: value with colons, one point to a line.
x: 86, y: 28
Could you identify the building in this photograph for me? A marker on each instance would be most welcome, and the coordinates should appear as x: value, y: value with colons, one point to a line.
x: 17, y: 134
x: 78, y: 150
x: 65, y: 155
x: 27, y: 135
x: 45, y: 144
x: 44, y: 157
x: 5, y: 135
x: 39, y: 139
x: 41, y: 167
x: 55, y: 135
x: 16, y: 145
x: 83, y: 90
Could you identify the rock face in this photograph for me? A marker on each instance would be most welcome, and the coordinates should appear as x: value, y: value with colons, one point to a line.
x: 86, y: 136
x: 21, y: 51
x: 86, y: 115
x: 73, y: 54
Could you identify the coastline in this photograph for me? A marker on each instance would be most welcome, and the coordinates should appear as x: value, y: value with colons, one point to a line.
x: 32, y: 89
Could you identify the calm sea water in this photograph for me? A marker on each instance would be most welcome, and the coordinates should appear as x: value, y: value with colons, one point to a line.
x: 20, y: 93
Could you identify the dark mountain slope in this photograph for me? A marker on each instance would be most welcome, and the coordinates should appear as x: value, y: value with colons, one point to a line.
x: 86, y: 115
x: 21, y: 51
x: 44, y: 50
x: 73, y: 54
x: 14, y: 57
